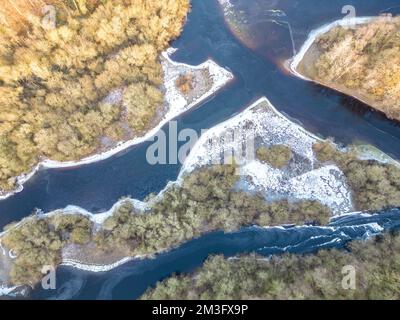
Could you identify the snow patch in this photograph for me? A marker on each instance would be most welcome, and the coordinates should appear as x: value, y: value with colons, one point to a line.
x: 4, y: 291
x: 269, y: 127
x: 95, y: 268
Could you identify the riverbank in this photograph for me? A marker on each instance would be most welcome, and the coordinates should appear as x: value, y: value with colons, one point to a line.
x: 356, y: 71
x: 176, y: 103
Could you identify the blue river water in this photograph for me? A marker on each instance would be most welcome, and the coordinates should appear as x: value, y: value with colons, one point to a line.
x: 258, y: 72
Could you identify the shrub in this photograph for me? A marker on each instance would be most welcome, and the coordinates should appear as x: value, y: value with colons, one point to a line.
x: 185, y: 83
x: 277, y: 156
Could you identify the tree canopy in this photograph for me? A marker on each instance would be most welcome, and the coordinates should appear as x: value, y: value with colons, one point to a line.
x: 277, y: 156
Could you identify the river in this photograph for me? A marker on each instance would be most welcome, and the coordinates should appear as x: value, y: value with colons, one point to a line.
x: 258, y: 71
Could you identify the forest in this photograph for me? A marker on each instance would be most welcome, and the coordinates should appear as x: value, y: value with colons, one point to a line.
x: 185, y: 83
x: 54, y: 81
x: 364, y: 60
x: 293, y: 276
x: 206, y: 201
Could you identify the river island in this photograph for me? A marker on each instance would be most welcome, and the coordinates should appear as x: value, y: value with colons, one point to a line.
x: 358, y: 57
